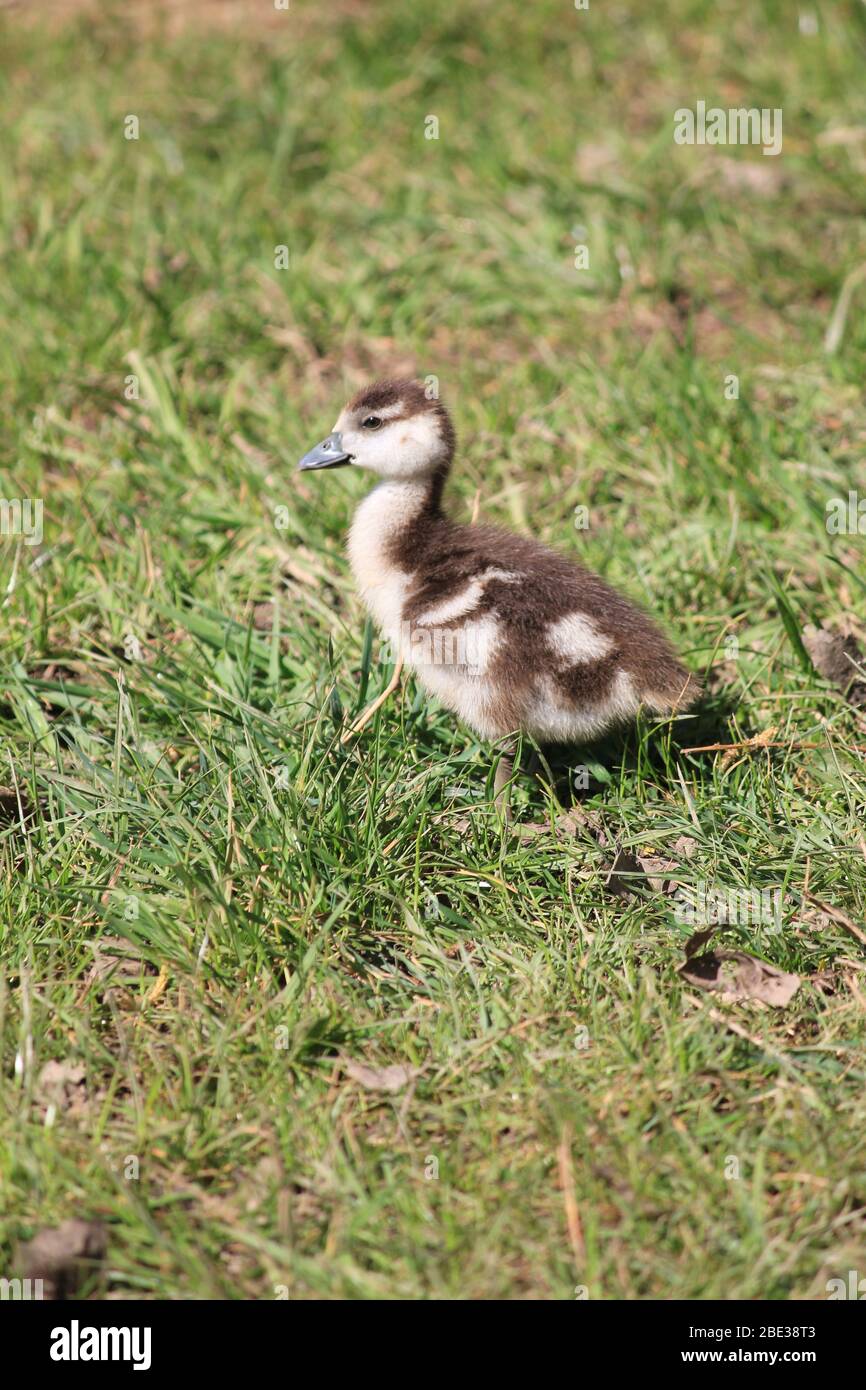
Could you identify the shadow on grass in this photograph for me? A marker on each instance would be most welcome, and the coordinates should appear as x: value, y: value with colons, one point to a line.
x: 635, y: 751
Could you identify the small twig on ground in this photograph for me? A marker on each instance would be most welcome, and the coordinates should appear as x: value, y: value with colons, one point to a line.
x: 750, y: 744
x: 368, y: 713
x: 838, y: 916
x: 572, y: 1211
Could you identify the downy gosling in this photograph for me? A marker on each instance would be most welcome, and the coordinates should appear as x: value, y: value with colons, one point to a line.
x: 508, y: 634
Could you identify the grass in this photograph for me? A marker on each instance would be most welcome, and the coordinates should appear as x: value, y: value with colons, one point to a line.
x: 289, y: 903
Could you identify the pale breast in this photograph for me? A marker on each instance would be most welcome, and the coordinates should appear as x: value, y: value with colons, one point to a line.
x: 382, y: 584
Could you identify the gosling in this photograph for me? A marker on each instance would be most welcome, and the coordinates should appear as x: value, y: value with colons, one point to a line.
x: 511, y: 636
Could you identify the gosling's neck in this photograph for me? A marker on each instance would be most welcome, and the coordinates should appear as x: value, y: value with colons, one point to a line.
x: 394, y: 525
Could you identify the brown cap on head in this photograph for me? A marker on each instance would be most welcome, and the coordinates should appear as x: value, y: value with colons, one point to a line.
x: 397, y: 391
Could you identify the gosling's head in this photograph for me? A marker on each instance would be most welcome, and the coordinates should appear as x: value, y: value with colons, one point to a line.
x: 394, y: 428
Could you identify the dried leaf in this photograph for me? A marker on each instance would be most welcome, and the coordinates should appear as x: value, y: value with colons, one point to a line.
x: 839, y: 659
x: 626, y: 874
x: 63, y: 1256
x: 735, y: 975
x: 658, y: 871
x: 391, y: 1079
x: 575, y: 820
x: 63, y: 1085
x: 568, y: 823
x: 115, y: 963
x: 630, y: 873
x: 263, y: 617
x: 697, y: 940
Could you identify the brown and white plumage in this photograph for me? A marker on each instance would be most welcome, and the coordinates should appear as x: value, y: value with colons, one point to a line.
x: 507, y: 633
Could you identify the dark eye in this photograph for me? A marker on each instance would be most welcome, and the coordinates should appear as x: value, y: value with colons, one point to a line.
x: 372, y: 422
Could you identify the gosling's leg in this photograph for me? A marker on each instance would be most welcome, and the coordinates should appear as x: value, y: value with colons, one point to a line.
x: 502, y: 779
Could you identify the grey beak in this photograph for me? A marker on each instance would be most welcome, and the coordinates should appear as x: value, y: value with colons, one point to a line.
x: 329, y: 454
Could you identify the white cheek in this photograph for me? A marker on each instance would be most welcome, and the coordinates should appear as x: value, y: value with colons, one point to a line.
x: 421, y: 439
x: 405, y: 449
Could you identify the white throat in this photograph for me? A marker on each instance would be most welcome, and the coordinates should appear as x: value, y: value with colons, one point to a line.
x: 376, y: 525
